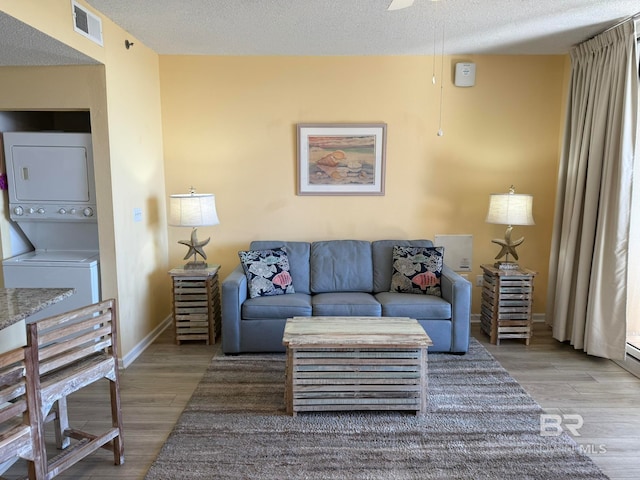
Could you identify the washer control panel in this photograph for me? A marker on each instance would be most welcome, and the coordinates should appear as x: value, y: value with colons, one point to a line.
x: 63, y: 213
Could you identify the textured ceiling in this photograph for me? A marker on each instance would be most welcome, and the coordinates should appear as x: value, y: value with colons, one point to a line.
x: 22, y: 45
x: 332, y: 27
x: 363, y: 27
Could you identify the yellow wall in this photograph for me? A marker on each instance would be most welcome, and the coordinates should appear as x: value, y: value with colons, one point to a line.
x: 137, y: 181
x: 228, y: 125
x: 124, y: 99
x: 229, y: 128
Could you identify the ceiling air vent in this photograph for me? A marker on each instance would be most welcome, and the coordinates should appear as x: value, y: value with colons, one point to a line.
x: 87, y: 23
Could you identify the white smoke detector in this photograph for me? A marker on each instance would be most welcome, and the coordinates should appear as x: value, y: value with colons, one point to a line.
x: 465, y: 74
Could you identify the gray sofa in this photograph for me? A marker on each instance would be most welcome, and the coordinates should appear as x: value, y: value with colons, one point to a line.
x: 341, y: 278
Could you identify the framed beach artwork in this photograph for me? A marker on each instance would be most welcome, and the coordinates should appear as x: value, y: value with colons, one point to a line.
x: 341, y: 159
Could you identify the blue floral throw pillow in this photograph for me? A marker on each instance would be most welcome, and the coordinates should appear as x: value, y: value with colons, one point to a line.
x: 417, y: 270
x: 267, y: 272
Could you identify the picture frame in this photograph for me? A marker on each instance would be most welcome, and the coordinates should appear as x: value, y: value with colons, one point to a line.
x: 341, y: 158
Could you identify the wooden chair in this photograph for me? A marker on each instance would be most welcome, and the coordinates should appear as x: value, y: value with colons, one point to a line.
x: 76, y: 349
x: 19, y: 419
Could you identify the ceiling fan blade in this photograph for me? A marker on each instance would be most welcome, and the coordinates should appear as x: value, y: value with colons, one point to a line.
x: 400, y: 4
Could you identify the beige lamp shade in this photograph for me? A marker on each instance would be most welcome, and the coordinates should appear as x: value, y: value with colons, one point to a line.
x: 193, y: 210
x: 510, y: 209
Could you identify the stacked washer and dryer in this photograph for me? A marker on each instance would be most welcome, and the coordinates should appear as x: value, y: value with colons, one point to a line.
x: 52, y: 200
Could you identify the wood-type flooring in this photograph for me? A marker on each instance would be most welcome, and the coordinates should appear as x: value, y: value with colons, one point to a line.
x: 601, y: 395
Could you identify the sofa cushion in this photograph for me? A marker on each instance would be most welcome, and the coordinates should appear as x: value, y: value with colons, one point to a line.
x: 420, y: 307
x: 277, y: 307
x: 298, y: 253
x: 341, y: 266
x: 382, y: 253
x: 417, y: 270
x: 267, y: 272
x: 349, y: 304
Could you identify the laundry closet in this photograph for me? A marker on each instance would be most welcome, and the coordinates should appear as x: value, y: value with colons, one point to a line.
x: 50, y: 201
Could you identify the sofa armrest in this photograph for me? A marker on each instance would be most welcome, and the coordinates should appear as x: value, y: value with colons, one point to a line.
x: 457, y: 291
x: 234, y: 293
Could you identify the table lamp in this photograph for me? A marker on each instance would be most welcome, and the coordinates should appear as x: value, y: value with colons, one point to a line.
x: 509, y: 209
x: 193, y: 210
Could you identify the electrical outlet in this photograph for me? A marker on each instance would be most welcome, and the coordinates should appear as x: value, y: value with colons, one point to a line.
x: 479, y: 280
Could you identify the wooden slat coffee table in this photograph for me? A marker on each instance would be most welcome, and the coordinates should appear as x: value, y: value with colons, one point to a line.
x: 355, y: 363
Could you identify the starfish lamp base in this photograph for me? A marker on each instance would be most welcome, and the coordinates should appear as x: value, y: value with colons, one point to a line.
x: 196, y: 248
x: 506, y: 265
x: 508, y: 247
x: 196, y: 265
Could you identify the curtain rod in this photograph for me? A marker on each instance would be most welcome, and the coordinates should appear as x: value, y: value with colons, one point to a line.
x: 635, y: 16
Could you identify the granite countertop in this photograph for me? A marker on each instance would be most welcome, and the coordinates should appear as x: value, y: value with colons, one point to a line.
x: 18, y: 303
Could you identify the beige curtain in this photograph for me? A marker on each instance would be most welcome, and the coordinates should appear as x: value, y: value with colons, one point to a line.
x: 586, y: 303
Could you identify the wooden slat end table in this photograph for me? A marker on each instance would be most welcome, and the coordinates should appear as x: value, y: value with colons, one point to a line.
x: 196, y: 304
x: 507, y: 302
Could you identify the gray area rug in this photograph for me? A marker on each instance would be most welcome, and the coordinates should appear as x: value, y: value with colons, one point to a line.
x: 480, y: 425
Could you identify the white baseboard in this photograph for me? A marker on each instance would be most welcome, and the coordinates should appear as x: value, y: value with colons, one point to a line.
x: 136, y: 351
x: 166, y: 323
x: 537, y: 318
x: 631, y: 363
